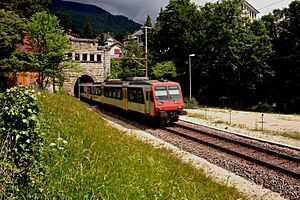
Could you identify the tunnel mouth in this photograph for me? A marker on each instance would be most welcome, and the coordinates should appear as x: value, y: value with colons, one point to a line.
x: 82, y: 79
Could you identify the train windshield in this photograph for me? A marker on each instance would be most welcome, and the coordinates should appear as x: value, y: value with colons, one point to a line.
x: 167, y: 92
x: 174, y: 92
x: 161, y: 92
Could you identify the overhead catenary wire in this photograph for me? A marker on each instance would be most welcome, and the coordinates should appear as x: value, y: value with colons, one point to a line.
x: 269, y: 5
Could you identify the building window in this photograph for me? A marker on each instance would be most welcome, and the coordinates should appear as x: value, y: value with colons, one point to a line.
x: 69, y: 55
x: 117, y: 51
x: 99, y: 57
x: 92, y: 57
x: 84, y: 57
x: 77, y: 57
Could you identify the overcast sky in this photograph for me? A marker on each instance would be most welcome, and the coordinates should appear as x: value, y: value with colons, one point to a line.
x: 138, y: 10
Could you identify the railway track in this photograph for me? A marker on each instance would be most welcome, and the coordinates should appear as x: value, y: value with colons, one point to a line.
x: 283, y: 180
x: 276, y: 157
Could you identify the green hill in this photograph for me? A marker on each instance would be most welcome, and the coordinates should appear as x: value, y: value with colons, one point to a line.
x: 100, y: 20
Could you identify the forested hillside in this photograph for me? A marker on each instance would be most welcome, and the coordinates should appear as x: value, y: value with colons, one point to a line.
x: 100, y: 20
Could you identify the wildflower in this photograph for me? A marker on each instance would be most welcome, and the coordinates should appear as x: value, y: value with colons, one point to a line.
x: 52, y: 145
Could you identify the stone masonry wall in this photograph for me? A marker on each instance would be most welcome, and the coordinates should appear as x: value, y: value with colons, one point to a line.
x: 94, y: 61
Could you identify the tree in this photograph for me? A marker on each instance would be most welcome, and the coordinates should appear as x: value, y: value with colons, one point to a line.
x: 231, y: 54
x: 165, y: 70
x: 11, y: 30
x: 286, y: 43
x: 49, y: 43
x: 88, y: 31
x: 116, y: 69
x: 25, y: 8
x: 132, y: 64
x: 64, y: 20
x: 148, y: 22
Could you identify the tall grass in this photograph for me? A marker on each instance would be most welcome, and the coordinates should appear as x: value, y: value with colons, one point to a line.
x: 89, y: 159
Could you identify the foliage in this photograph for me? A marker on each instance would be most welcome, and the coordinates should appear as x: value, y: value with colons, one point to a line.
x: 25, y: 8
x: 21, y: 143
x: 88, y: 31
x: 263, y: 107
x: 133, y: 61
x: 116, y: 69
x: 166, y: 70
x: 190, y: 103
x: 11, y: 28
x: 283, y: 28
x: 64, y: 20
x: 231, y: 53
x: 101, y: 21
x: 49, y: 43
x: 148, y: 22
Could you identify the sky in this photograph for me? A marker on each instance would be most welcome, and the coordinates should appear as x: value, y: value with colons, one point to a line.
x: 138, y: 10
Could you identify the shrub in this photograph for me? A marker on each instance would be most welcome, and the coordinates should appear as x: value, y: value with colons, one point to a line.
x: 263, y: 107
x: 21, y: 142
x: 191, y: 103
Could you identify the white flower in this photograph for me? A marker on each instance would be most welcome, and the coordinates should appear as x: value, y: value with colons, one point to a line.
x: 65, y: 142
x: 52, y: 144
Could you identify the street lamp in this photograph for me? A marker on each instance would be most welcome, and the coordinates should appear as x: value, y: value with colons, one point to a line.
x: 190, y: 74
x: 146, y: 48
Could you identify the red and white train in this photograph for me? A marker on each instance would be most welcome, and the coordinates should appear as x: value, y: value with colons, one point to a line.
x: 160, y: 100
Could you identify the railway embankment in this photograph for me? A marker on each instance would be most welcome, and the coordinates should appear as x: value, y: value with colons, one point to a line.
x: 88, y: 158
x: 280, y: 128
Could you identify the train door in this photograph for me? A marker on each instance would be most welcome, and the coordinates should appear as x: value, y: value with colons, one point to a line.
x: 125, y: 98
x: 148, y: 103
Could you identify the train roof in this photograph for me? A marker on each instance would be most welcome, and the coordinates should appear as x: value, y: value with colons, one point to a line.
x: 135, y: 81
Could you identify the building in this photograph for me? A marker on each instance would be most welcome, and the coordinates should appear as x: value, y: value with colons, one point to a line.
x: 136, y: 37
x: 249, y: 10
x: 94, y: 62
x: 115, y: 47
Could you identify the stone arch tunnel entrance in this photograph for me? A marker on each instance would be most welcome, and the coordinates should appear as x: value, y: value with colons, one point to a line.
x: 83, y: 79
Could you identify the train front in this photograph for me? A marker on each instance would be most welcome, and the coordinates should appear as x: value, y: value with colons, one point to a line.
x: 168, y: 101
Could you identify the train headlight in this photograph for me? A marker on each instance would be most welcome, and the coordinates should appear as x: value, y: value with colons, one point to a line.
x: 179, y: 107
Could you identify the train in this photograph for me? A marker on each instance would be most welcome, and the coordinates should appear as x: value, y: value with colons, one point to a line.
x: 160, y: 100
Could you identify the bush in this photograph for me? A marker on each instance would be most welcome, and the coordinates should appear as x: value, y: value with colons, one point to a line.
x: 263, y: 107
x: 21, y: 144
x: 190, y: 103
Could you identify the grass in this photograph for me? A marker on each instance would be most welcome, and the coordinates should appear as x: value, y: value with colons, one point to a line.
x: 199, y: 115
x: 88, y: 159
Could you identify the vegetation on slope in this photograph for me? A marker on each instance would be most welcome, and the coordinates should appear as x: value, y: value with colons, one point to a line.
x: 100, y: 20
x: 90, y: 159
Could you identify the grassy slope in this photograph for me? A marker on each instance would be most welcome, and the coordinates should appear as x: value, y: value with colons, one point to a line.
x: 101, y: 161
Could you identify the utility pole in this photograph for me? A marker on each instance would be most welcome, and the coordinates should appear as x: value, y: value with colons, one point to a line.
x: 190, y: 74
x: 146, y: 47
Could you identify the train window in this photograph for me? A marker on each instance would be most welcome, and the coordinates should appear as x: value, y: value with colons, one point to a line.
x: 93, y: 90
x: 136, y: 95
x: 115, y: 93
x: 161, y: 92
x: 98, y: 91
x: 119, y: 93
x: 174, y: 92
